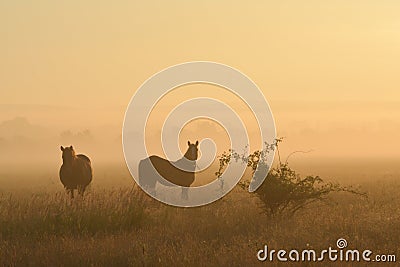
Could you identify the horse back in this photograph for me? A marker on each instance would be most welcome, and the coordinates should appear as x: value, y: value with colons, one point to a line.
x: 162, y: 168
x: 83, y: 157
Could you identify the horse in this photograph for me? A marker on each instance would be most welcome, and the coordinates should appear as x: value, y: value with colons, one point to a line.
x: 180, y: 172
x: 75, y: 172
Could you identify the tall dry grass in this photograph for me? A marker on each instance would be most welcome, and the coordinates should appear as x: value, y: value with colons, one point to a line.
x: 124, y: 227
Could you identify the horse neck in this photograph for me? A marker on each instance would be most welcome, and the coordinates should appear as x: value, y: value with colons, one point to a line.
x: 70, y: 161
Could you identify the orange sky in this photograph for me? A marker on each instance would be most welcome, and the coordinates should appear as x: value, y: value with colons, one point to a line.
x: 329, y: 69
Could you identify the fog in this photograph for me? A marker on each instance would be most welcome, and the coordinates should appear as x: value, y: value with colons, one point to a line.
x: 352, y: 150
x: 329, y: 71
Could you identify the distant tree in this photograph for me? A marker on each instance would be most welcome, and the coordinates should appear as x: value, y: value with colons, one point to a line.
x: 66, y: 135
x: 283, y: 191
x: 85, y: 135
x: 69, y: 136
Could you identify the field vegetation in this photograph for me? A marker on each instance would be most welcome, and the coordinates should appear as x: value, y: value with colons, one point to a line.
x: 116, y: 224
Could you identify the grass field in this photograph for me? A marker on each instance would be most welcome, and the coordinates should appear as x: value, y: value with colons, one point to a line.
x: 121, y: 226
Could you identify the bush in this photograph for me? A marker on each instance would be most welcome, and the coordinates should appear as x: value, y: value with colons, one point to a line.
x: 283, y: 191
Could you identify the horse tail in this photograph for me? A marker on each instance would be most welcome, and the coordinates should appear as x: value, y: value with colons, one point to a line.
x: 147, y: 179
x: 142, y: 173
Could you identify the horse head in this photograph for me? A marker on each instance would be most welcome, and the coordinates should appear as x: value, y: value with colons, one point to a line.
x: 68, y: 154
x: 193, y: 151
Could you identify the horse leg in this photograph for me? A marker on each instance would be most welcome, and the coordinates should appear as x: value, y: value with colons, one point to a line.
x: 81, y: 190
x: 185, y: 194
x: 70, y: 192
x: 151, y: 189
x: 149, y: 186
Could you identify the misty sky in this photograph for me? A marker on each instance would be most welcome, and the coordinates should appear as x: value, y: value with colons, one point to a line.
x: 329, y: 69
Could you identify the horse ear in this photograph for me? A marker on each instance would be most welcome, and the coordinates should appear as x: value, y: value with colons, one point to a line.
x: 188, y: 143
x: 197, y: 143
x: 62, y: 148
x: 71, y: 147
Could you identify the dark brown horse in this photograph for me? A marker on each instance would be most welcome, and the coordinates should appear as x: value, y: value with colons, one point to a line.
x: 180, y: 172
x: 75, y: 172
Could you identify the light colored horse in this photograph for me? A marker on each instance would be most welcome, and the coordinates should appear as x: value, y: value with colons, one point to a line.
x: 180, y: 172
x: 75, y: 172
